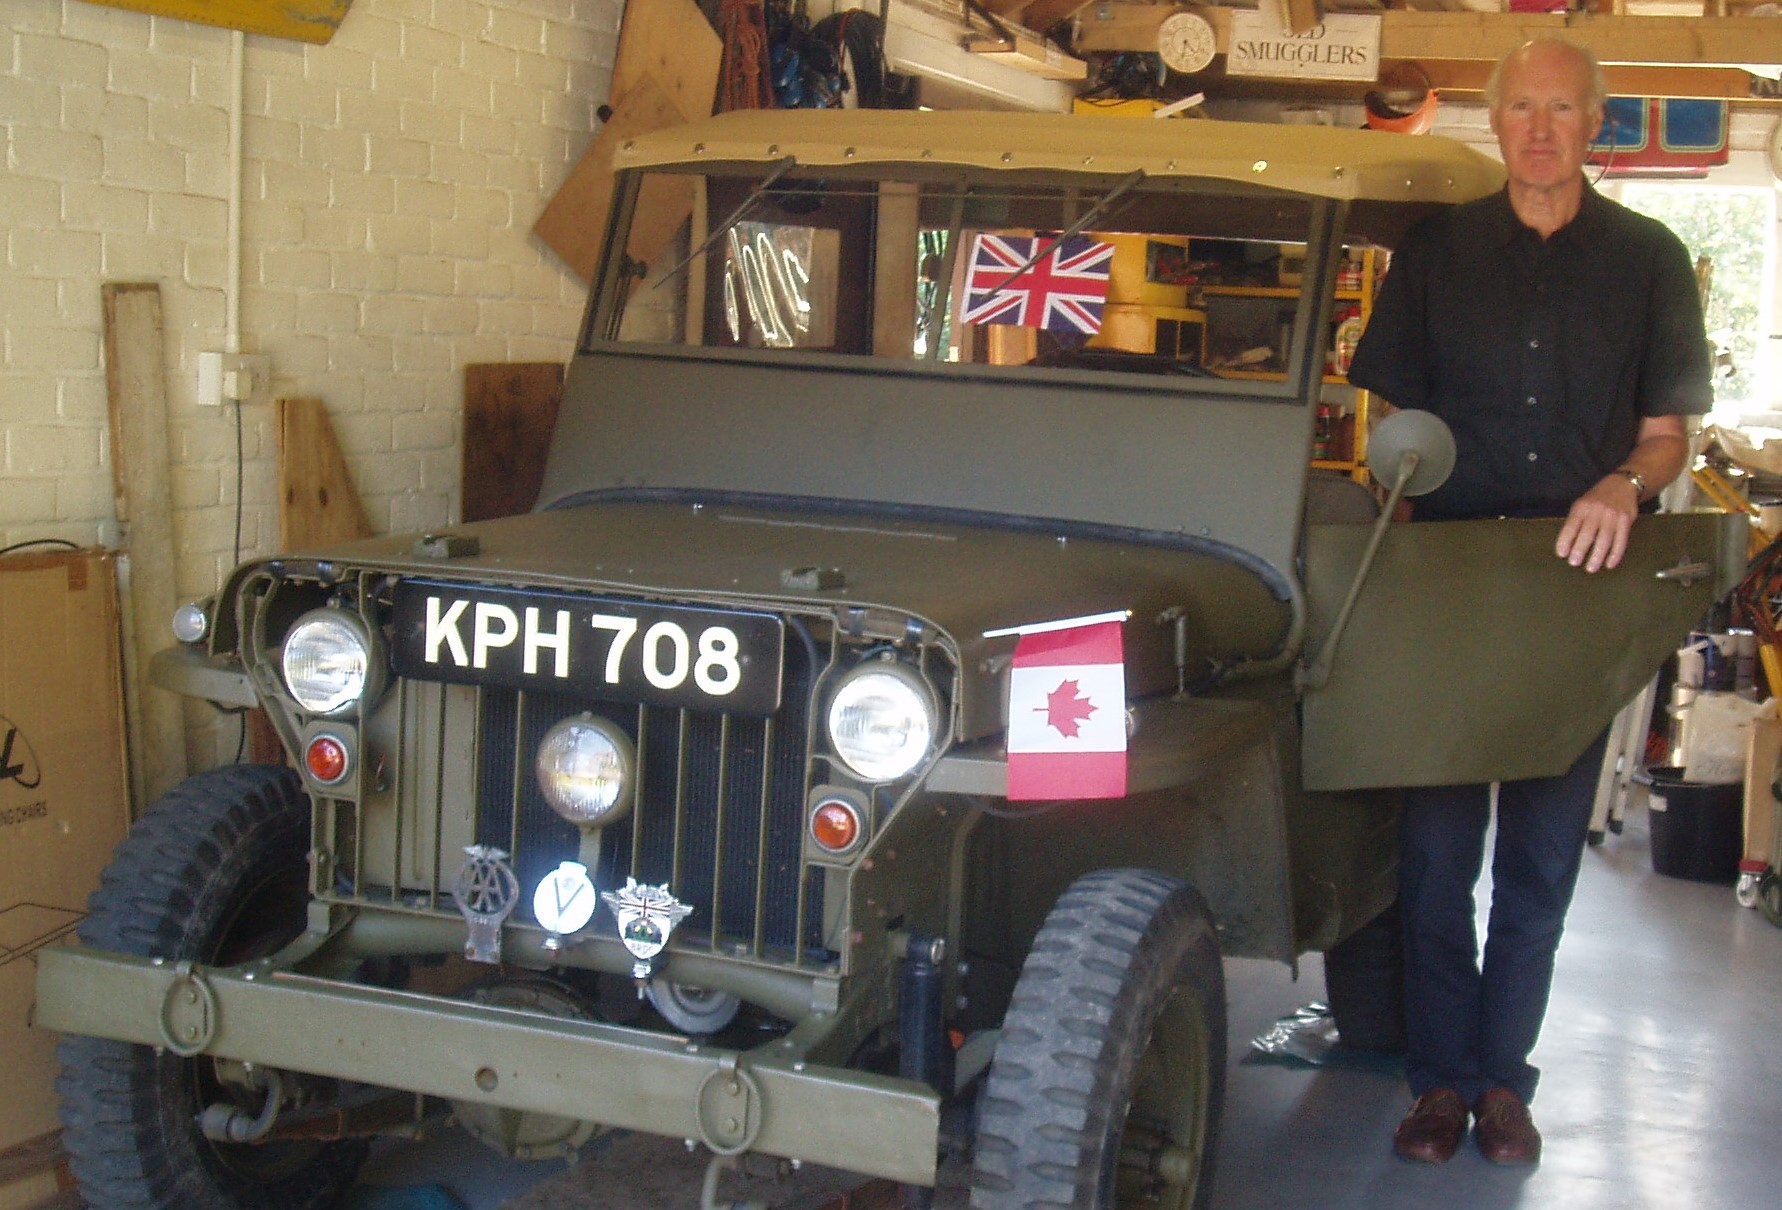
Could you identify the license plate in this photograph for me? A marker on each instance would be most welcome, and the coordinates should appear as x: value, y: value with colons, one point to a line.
x: 615, y: 650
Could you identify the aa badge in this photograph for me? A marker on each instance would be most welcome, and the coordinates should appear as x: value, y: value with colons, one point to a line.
x: 485, y: 891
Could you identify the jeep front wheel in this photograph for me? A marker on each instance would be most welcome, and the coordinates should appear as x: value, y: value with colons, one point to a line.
x: 214, y: 872
x: 1107, y: 1082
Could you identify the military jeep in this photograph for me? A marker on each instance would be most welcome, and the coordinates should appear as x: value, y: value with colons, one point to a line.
x: 682, y: 803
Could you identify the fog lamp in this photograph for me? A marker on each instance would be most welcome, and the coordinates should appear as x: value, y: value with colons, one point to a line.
x: 585, y: 769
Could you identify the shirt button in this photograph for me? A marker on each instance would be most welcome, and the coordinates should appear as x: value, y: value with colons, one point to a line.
x: 1530, y: 401
x: 1532, y: 456
x: 1534, y: 344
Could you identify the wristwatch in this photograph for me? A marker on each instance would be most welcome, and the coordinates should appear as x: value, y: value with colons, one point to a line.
x: 1634, y: 477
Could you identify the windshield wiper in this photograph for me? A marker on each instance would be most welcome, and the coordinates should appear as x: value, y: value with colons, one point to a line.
x: 780, y: 169
x: 1122, y: 187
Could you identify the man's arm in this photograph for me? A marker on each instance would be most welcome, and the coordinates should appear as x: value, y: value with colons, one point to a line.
x: 1595, y: 532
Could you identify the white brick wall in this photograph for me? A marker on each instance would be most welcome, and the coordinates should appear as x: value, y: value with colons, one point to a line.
x: 391, y: 180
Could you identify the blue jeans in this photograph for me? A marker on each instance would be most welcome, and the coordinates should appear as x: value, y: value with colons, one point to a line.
x: 1471, y: 1028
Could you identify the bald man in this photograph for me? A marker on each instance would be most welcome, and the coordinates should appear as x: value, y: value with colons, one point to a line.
x: 1560, y: 336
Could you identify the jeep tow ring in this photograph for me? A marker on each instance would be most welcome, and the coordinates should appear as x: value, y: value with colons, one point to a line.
x: 188, y: 1012
x: 729, y: 1108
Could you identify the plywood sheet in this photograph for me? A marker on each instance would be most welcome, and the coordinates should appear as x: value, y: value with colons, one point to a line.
x: 317, y: 502
x: 574, y: 222
x: 670, y: 43
x: 509, y: 412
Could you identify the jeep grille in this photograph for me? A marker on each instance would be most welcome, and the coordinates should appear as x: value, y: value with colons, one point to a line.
x: 718, y: 817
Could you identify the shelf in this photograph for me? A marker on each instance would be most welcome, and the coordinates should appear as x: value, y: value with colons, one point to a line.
x: 1329, y: 380
x: 1274, y: 292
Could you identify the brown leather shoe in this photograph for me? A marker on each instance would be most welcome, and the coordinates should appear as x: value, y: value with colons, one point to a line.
x: 1431, y: 1132
x: 1505, y: 1130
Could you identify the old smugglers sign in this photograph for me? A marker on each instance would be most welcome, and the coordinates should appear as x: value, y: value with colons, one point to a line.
x: 1345, y: 46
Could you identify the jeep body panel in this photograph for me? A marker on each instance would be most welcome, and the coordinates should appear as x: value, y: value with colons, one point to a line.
x: 1475, y: 655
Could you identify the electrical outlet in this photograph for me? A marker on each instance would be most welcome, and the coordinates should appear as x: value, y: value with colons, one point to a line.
x: 232, y: 376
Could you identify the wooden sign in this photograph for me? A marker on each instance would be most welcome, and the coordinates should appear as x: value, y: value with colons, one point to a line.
x: 1344, y: 46
x: 300, y: 20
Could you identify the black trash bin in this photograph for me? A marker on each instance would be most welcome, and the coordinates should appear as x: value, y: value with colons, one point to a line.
x: 1698, y: 830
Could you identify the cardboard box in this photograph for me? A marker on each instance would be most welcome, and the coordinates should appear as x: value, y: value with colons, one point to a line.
x: 64, y: 797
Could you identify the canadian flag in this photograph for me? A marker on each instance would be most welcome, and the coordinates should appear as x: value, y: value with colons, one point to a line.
x: 1067, y: 709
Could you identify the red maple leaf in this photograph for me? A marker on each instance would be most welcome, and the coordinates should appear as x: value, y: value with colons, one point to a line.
x: 1066, y: 707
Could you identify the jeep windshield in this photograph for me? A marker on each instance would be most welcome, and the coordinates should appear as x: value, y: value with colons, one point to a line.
x: 972, y: 268
x: 1025, y: 244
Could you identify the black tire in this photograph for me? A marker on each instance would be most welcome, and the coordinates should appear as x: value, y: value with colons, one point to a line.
x: 215, y: 872
x: 1109, y: 1077
x: 1364, y: 982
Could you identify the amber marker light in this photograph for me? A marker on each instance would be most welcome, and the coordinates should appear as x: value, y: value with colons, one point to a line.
x: 327, y: 759
x: 835, y: 825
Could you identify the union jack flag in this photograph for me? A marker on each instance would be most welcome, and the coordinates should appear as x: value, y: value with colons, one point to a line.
x: 1064, y: 291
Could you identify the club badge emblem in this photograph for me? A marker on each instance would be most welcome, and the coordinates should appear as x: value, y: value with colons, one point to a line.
x: 647, y: 919
x: 563, y: 902
x: 485, y: 891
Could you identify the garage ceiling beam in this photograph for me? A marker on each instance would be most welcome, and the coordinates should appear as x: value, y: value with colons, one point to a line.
x: 1468, y: 37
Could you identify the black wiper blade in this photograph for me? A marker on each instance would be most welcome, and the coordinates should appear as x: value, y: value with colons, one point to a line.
x: 1122, y: 187
x: 780, y: 169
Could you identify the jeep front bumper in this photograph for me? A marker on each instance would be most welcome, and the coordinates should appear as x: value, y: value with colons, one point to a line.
x: 731, y: 1101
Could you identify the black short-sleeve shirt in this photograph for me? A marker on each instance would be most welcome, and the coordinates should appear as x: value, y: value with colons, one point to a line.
x: 1542, y: 355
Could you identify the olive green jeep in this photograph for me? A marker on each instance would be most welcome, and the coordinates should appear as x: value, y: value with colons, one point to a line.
x: 691, y: 802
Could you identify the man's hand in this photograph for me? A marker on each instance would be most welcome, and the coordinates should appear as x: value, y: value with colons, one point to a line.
x: 1595, y: 532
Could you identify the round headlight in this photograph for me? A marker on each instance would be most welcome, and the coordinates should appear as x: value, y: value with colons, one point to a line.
x: 585, y: 769
x: 327, y: 661
x: 881, y: 721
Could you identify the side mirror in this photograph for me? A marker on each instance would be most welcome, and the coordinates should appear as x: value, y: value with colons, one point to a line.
x: 1411, y: 443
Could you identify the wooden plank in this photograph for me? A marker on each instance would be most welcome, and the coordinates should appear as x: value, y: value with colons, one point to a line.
x: 312, y: 21
x: 1653, y: 40
x: 1465, y: 80
x: 1487, y: 37
x: 1030, y: 54
x: 32, y: 1156
x: 670, y: 43
x: 509, y: 412
x: 574, y: 221
x: 894, y: 271
x: 1303, y: 15
x: 136, y: 389
x: 318, y: 505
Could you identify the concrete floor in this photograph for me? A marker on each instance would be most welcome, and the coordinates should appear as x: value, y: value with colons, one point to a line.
x: 1662, y: 1087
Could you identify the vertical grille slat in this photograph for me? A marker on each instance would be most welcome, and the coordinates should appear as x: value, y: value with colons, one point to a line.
x: 721, y: 799
x: 764, y: 813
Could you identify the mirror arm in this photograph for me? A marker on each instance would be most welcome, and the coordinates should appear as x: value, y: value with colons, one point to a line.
x: 1315, y: 676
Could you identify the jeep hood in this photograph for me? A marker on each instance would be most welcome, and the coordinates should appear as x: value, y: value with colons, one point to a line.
x: 960, y: 579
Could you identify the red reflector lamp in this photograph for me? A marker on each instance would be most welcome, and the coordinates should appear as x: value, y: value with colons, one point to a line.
x: 835, y: 825
x: 327, y: 759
